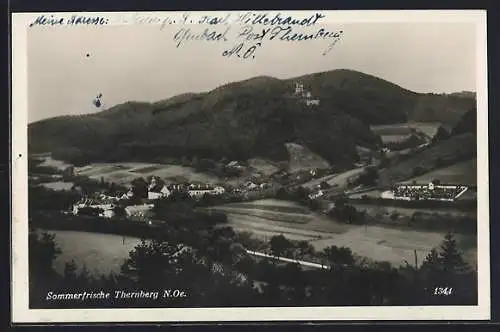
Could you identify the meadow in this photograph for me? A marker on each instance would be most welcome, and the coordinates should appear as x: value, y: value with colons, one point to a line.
x: 460, y: 173
x: 124, y: 173
x: 395, y: 245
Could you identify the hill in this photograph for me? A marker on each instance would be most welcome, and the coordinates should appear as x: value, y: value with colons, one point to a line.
x: 448, y: 152
x: 241, y: 120
x: 468, y: 124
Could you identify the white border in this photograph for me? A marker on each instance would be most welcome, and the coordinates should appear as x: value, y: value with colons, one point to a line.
x: 22, y: 314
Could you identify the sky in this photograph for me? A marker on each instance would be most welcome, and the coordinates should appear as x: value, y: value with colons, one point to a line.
x: 141, y: 63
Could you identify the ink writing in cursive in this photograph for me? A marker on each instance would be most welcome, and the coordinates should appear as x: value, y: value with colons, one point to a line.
x: 186, y: 34
x: 241, y: 52
x: 52, y: 20
x: 287, y: 33
x: 278, y: 19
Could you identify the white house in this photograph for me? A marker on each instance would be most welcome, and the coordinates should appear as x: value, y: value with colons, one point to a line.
x: 316, y: 194
x: 234, y: 164
x: 138, y: 209
x: 106, y: 206
x: 129, y: 194
x: 312, y: 102
x: 110, y: 213
x: 156, y: 193
x: 250, y: 185
x: 218, y: 190
x: 198, y: 190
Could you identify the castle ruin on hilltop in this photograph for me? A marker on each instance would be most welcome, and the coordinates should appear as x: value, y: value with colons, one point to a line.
x: 306, y: 96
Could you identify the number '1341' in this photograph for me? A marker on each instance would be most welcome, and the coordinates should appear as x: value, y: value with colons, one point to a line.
x: 443, y: 291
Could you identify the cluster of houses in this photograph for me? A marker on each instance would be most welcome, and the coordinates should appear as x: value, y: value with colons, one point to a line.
x: 106, y: 204
x: 156, y: 191
x: 305, y: 95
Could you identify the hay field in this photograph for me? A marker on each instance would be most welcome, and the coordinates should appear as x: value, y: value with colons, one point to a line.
x: 59, y: 185
x: 49, y: 162
x: 461, y: 173
x: 301, y: 158
x: 124, y: 173
x: 428, y: 128
x: 262, y: 166
x: 266, y: 218
x: 337, y: 180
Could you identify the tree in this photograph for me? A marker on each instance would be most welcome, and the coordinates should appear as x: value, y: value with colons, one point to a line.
x: 152, y: 262
x: 340, y: 202
x: 301, y: 193
x: 42, y: 251
x: 140, y: 187
x: 368, y: 177
x: 304, y: 248
x: 90, y: 211
x: 338, y: 256
x: 279, y: 245
x: 450, y: 257
x: 119, y: 211
x: 324, y: 185
x: 159, y: 181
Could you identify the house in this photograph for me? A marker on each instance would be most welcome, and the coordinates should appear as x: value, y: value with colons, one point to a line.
x: 218, y: 190
x: 176, y: 187
x: 316, y: 194
x: 157, y: 192
x: 110, y: 213
x: 234, y: 164
x: 130, y: 193
x: 312, y: 102
x: 385, y: 150
x: 138, y: 210
x: 106, y: 205
x: 198, y: 190
x: 250, y: 185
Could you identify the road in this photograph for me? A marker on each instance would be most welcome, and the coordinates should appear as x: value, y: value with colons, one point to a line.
x: 288, y: 260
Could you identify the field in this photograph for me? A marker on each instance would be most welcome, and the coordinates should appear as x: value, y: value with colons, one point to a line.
x: 59, y: 185
x: 393, y: 138
x: 336, y: 180
x: 387, y: 210
x: 461, y: 173
x: 99, y: 253
x: 301, y: 158
x: 265, y: 218
x: 104, y: 253
x: 124, y: 173
x: 49, y: 162
x: 262, y: 166
x: 402, y: 129
x: 454, y: 150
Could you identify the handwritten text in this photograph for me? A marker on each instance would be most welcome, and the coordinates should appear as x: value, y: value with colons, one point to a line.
x: 73, y: 20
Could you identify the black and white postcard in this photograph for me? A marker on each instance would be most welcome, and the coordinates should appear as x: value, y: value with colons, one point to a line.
x: 249, y: 166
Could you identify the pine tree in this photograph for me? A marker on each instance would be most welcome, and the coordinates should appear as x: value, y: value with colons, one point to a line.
x: 450, y: 257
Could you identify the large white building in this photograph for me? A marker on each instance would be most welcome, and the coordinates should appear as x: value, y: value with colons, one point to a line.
x: 197, y: 191
x: 107, y: 207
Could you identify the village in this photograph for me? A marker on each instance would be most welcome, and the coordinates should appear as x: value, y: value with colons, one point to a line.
x: 139, y: 206
x: 319, y: 184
